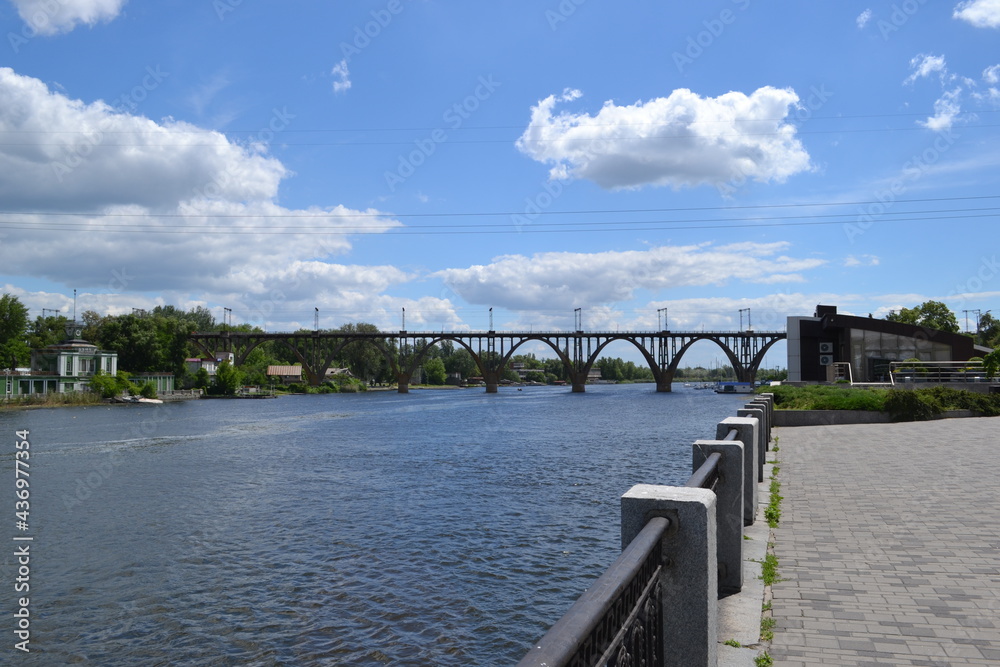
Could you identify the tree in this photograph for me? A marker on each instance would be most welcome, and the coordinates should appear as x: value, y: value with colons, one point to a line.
x: 989, y: 331
x: 228, y: 379
x: 929, y: 314
x: 461, y: 362
x: 14, y: 350
x: 47, y: 331
x: 363, y: 358
x: 135, y: 340
x: 434, y: 372
x: 201, y: 379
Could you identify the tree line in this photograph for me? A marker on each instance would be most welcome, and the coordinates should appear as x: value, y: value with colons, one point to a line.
x: 157, y: 340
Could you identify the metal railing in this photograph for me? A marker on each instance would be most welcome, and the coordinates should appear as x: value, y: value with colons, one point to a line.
x: 937, y: 371
x: 619, y: 619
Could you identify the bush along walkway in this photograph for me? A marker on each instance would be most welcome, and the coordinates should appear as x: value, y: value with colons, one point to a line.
x: 888, y: 545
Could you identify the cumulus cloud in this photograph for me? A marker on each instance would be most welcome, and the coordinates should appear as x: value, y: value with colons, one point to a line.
x: 682, y: 140
x: 863, y: 18
x: 51, y: 17
x: 562, y: 280
x: 126, y: 159
x: 165, y: 207
x: 924, y: 65
x: 342, y: 77
x: 980, y: 13
x: 861, y: 260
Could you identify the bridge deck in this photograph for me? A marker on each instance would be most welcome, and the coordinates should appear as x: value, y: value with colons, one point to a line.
x: 888, y: 545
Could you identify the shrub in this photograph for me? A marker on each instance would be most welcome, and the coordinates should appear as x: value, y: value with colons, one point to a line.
x: 908, y: 406
x: 147, y: 390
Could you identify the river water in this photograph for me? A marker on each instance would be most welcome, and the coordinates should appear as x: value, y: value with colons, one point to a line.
x: 432, y: 528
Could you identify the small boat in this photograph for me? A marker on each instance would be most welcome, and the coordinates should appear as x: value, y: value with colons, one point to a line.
x: 734, y: 388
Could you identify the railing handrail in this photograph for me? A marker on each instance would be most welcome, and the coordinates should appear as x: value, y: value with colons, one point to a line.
x: 571, y: 633
x: 705, y: 476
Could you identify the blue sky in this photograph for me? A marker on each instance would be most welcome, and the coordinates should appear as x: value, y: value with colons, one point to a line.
x: 530, y: 157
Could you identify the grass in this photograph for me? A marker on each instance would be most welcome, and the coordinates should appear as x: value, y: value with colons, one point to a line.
x: 52, y: 400
x: 763, y: 660
x: 769, y: 569
x: 772, y: 513
x: 902, y: 404
x: 733, y: 642
x: 767, y: 628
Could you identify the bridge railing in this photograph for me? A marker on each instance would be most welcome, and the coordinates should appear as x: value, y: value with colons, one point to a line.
x: 657, y: 604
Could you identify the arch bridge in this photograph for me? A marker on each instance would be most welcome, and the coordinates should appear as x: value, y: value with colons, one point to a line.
x: 405, y: 351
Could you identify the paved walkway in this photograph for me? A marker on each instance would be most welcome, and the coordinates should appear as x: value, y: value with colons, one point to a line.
x: 889, y: 544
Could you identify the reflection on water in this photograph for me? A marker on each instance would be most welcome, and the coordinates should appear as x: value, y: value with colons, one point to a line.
x: 437, y: 527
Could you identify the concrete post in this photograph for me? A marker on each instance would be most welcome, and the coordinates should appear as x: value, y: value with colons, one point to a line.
x: 747, y: 428
x: 690, y: 597
x: 728, y: 509
x: 758, y: 414
x: 765, y: 426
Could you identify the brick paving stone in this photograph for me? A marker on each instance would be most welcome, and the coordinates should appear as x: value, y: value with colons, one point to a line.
x: 889, y: 545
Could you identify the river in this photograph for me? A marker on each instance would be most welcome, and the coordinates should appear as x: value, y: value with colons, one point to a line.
x: 431, y: 528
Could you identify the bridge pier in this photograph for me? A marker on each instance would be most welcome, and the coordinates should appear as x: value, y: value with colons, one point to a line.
x: 664, y: 381
x: 403, y: 387
x: 492, y: 380
x: 579, y: 387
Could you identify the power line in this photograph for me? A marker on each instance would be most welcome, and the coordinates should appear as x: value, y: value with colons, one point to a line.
x: 362, y: 214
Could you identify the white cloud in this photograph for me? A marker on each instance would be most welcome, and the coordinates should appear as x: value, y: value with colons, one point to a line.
x: 980, y: 13
x: 51, y: 17
x: 342, y: 80
x: 98, y: 198
x: 991, y: 74
x: 924, y: 65
x: 861, y: 260
x: 75, y: 155
x: 682, y: 140
x: 564, y: 280
x: 864, y: 18
x: 946, y: 109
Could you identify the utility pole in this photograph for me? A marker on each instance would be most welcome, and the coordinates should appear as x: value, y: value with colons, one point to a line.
x: 48, y: 310
x: 491, y: 318
x: 967, y: 320
x: 316, y: 320
x: 578, y: 317
x: 749, y: 325
x: 664, y: 325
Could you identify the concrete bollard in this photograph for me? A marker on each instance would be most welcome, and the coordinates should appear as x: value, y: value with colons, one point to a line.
x: 766, y: 424
x: 690, y: 599
x: 757, y: 413
x: 728, y: 509
x: 747, y: 434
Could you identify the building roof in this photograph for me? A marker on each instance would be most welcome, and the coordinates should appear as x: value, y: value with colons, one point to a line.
x: 285, y: 370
